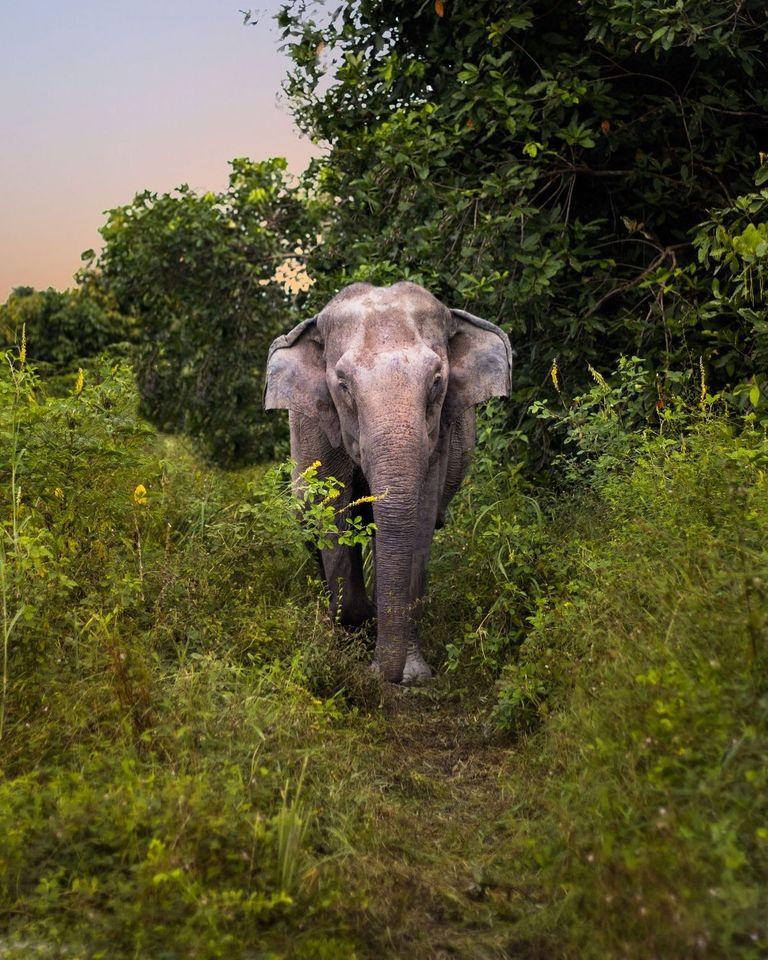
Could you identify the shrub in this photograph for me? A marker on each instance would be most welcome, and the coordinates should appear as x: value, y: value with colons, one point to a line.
x: 211, y: 279
x: 62, y: 328
x: 156, y: 719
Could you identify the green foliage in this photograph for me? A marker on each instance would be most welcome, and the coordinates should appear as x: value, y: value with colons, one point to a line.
x: 188, y: 764
x: 544, y: 166
x: 645, y: 674
x: 122, y: 520
x: 733, y: 247
x: 62, y: 329
x: 497, y: 536
x: 597, y: 426
x: 323, y: 523
x: 625, y: 621
x: 211, y: 279
x: 154, y: 710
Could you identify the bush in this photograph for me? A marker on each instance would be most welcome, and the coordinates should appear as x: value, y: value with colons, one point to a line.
x: 211, y: 279
x: 156, y: 716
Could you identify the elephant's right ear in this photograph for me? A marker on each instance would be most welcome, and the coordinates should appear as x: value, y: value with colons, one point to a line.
x: 296, y: 378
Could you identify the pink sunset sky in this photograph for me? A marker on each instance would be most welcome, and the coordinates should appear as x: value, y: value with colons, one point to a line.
x: 100, y: 99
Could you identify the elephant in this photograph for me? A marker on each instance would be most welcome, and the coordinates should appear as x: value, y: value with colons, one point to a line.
x: 381, y: 387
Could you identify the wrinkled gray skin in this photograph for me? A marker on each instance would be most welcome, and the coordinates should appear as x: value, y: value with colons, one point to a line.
x: 381, y: 387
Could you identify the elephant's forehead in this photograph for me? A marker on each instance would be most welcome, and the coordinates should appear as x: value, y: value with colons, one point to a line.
x: 403, y: 294
x: 377, y: 318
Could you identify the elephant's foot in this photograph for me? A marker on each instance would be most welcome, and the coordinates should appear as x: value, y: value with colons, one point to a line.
x: 416, y: 670
x: 375, y: 668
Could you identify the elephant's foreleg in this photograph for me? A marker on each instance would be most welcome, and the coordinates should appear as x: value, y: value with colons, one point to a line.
x: 416, y: 669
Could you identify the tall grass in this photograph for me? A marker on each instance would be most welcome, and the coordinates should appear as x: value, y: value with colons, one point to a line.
x: 644, y: 682
x: 292, y: 822
x: 11, y: 542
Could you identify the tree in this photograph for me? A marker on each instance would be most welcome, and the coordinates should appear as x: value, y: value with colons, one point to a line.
x: 62, y: 328
x: 211, y: 279
x: 545, y: 165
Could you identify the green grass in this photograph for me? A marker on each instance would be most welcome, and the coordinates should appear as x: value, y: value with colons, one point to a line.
x: 646, y: 675
x: 196, y: 762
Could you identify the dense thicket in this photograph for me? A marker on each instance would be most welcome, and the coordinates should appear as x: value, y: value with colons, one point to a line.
x: 548, y: 165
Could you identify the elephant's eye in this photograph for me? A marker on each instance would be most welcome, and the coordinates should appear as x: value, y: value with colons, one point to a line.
x: 346, y: 393
x: 434, y: 390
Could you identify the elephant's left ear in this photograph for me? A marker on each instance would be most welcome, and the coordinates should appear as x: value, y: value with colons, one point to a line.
x: 480, y: 358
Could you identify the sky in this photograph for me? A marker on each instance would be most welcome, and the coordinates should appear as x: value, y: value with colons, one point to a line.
x: 100, y: 99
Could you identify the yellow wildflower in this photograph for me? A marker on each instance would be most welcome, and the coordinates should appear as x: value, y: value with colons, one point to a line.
x: 58, y: 493
x: 23, y: 345
x: 356, y: 503
x: 704, y: 388
x: 554, y: 375
x: 79, y: 382
x: 597, y: 377
x: 140, y: 494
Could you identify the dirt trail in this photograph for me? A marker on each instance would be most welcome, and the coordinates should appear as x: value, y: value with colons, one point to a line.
x: 441, y: 829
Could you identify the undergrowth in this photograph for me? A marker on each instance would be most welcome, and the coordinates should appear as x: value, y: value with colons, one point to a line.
x: 640, y: 691
x: 195, y: 761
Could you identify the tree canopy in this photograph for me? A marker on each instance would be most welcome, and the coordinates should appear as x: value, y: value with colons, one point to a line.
x: 63, y: 328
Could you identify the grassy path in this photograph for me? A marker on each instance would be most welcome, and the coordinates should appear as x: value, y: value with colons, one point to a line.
x: 435, y: 806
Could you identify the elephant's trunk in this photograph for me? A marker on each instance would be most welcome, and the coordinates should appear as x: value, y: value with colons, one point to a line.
x: 396, y: 470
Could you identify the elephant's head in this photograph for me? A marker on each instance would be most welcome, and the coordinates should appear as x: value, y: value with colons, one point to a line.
x: 386, y: 361
x: 384, y: 371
